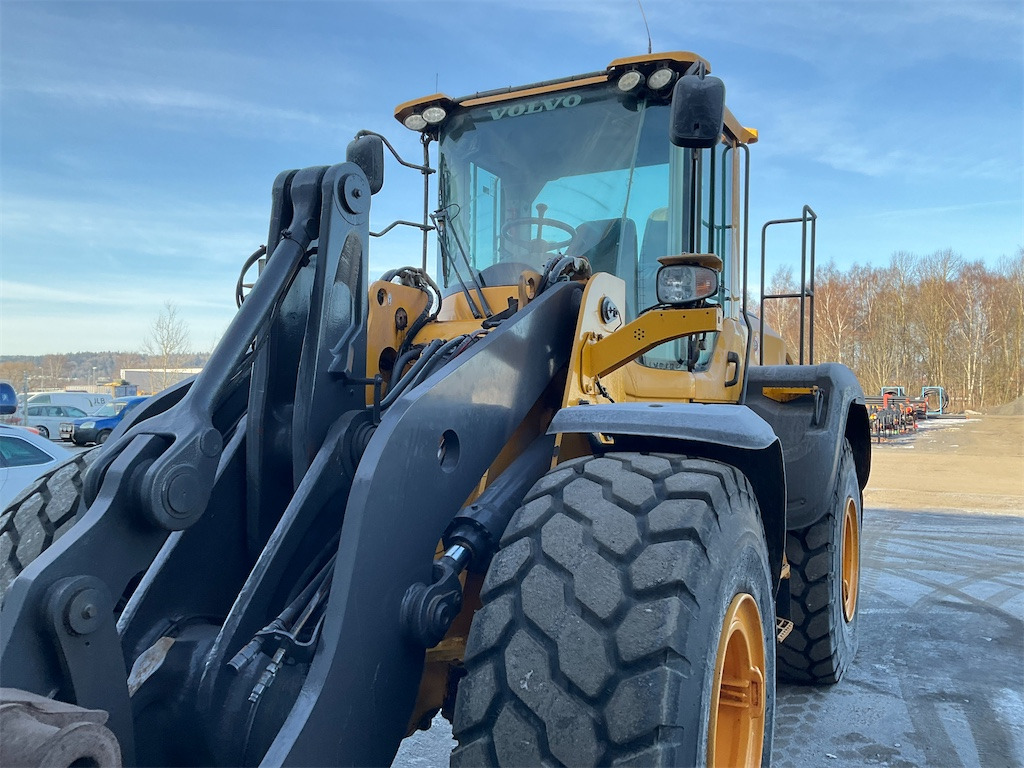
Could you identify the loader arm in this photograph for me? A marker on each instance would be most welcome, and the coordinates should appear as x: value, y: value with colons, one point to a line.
x: 157, y: 479
x: 443, y: 437
x: 205, y: 517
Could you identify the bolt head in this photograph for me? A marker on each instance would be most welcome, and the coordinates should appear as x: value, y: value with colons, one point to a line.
x: 183, y: 494
x: 82, y: 613
x: 211, y: 443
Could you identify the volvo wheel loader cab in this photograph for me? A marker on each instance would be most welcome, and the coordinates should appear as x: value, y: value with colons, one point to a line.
x: 548, y: 493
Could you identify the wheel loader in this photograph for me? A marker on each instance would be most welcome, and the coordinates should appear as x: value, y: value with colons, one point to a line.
x: 568, y: 491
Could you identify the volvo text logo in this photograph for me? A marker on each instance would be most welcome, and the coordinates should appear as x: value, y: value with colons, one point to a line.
x: 530, y: 107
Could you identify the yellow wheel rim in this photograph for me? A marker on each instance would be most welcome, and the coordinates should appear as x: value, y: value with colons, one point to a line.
x: 851, y: 559
x: 736, y: 729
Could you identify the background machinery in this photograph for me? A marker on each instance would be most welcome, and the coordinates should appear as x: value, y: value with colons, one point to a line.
x: 547, y: 493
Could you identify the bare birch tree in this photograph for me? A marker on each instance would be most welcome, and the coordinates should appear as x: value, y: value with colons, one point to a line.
x: 166, y: 345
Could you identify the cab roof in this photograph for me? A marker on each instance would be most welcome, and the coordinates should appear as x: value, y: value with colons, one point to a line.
x: 678, y: 61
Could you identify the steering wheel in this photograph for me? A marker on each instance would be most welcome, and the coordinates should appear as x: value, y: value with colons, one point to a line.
x: 537, y: 244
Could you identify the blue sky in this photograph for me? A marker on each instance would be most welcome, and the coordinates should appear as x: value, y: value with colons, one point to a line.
x: 139, y: 140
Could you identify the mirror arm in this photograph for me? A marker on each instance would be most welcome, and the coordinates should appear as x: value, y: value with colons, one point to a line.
x: 404, y: 223
x: 425, y: 169
x: 696, y: 68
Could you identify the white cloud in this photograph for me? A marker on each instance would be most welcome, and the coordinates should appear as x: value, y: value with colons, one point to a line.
x: 108, y: 294
x: 163, y: 99
x: 930, y: 211
x: 123, y: 57
x: 55, y: 329
x: 126, y: 223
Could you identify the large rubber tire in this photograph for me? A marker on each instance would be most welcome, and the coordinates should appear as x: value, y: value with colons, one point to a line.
x: 599, y: 636
x: 824, y: 561
x: 40, y: 515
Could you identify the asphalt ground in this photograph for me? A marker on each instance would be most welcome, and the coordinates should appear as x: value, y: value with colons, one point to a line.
x: 939, y: 676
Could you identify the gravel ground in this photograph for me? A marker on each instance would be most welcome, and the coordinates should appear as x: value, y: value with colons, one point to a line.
x: 968, y: 465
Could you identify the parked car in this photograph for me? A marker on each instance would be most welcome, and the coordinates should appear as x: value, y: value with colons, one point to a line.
x: 97, y: 428
x: 48, y: 418
x: 87, y: 401
x: 24, y: 456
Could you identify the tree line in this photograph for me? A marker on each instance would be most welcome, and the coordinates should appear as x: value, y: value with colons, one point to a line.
x: 929, y: 320
x: 936, y: 320
x: 165, y: 348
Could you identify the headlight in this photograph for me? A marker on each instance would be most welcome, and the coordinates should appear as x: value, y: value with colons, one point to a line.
x: 686, y: 283
x: 87, y: 425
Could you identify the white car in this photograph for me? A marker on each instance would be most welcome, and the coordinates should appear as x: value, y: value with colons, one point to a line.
x: 48, y: 418
x: 24, y: 456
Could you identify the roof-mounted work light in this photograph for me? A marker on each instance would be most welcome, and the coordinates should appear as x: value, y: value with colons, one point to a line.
x: 629, y: 80
x: 660, y: 78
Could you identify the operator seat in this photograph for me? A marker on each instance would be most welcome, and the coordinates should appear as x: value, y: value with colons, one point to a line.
x: 610, y: 246
x: 655, y: 246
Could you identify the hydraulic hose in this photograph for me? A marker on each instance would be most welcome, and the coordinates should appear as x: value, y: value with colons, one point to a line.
x: 437, y: 359
x: 403, y: 384
x: 397, y: 371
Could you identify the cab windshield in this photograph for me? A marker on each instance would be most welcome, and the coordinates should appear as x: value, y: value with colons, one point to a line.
x: 578, y: 173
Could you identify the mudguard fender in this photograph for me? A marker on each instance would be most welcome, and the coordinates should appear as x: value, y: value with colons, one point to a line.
x: 812, y: 429
x: 731, y: 434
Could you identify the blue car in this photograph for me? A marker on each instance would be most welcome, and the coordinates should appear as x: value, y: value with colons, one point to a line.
x: 97, y: 428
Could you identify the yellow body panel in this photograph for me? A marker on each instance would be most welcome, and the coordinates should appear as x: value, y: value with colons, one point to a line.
x: 387, y: 302
x: 605, y: 354
x: 680, y: 57
x: 658, y: 385
x: 456, y: 307
x: 775, y: 350
x: 406, y: 108
x: 536, y: 90
x: 710, y: 383
x: 590, y: 325
x: 785, y: 394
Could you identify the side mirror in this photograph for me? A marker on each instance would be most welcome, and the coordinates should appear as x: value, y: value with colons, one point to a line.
x: 368, y: 153
x: 698, y: 112
x: 8, y: 399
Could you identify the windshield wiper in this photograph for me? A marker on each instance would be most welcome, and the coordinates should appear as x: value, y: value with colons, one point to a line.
x: 441, y: 220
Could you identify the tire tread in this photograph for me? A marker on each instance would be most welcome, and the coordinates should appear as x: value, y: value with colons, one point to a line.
x: 591, y: 526
x: 40, y: 515
x: 813, y: 653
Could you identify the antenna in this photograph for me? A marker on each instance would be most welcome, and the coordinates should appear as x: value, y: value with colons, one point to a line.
x: 645, y: 25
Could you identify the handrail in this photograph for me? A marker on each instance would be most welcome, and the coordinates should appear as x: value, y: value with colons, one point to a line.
x: 806, y: 294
